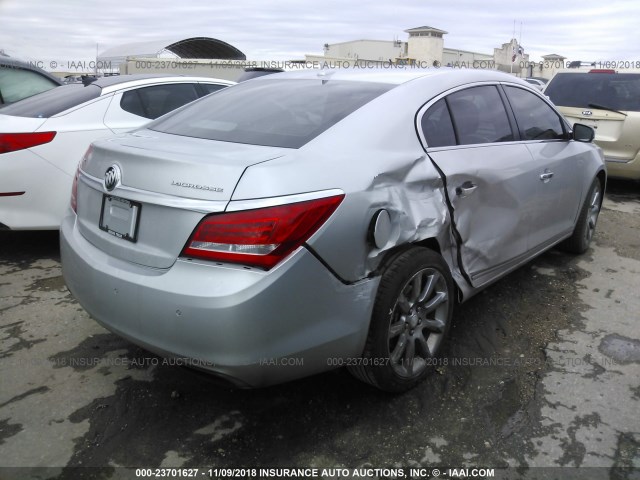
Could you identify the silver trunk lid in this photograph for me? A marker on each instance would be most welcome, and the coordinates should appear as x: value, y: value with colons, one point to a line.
x: 167, y: 184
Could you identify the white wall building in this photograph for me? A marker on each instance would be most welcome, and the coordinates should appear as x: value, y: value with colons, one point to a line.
x: 425, y: 48
x: 453, y: 57
x: 426, y: 44
x: 381, y: 50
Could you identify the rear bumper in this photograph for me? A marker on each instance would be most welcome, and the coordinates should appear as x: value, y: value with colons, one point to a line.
x: 47, y: 191
x: 618, y: 169
x: 254, y: 327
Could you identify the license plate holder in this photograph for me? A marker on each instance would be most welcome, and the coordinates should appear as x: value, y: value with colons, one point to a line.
x: 120, y: 217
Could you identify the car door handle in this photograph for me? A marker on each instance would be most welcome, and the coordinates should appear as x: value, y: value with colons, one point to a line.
x: 466, y: 189
x: 546, y: 176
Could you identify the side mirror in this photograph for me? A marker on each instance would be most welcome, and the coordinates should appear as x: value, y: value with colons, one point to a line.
x: 583, y: 133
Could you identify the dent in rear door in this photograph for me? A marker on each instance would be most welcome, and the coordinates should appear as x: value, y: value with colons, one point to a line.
x: 493, y: 198
x: 488, y: 178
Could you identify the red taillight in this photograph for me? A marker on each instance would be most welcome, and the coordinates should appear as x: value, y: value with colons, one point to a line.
x: 260, y: 237
x: 602, y: 70
x: 10, y: 142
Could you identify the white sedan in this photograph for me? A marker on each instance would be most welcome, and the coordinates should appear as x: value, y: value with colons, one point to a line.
x: 42, y: 138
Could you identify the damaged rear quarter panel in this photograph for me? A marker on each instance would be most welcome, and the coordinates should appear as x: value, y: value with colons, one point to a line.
x: 411, y: 191
x: 375, y: 157
x: 407, y: 186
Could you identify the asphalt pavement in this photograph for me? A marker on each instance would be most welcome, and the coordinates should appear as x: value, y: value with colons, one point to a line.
x: 539, y: 379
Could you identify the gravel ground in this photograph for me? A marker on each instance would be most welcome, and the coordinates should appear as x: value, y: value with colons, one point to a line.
x: 540, y: 377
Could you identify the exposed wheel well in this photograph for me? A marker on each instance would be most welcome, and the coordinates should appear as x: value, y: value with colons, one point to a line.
x: 431, y: 244
x: 391, y: 255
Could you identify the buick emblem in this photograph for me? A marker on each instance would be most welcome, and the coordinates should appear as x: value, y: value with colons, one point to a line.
x: 112, y: 177
x: 587, y: 113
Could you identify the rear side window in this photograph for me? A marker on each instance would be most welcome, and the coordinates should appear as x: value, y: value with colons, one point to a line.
x: 479, y: 116
x: 279, y: 113
x: 211, y: 87
x: 437, y: 127
x: 17, y: 83
x: 618, y: 91
x: 54, y: 101
x: 536, y: 120
x: 157, y: 100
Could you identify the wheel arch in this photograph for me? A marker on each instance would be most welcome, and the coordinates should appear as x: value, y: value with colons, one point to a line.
x: 431, y: 313
x: 602, y: 178
x: 431, y: 243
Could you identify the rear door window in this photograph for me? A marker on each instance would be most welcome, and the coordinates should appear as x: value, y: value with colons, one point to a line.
x: 479, y: 116
x: 157, y: 100
x: 210, y: 88
x: 437, y: 127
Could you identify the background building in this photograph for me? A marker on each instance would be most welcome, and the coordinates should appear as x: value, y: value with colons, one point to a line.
x: 426, y: 44
x: 187, y: 48
x: 379, y: 50
x: 424, y: 48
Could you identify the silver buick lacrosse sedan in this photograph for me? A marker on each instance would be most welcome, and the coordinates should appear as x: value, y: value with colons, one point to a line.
x: 303, y: 221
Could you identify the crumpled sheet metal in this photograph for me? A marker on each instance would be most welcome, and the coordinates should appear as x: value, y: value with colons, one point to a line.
x: 413, y: 194
x: 414, y: 198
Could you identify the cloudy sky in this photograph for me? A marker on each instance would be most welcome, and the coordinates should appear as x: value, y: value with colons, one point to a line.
x: 68, y: 30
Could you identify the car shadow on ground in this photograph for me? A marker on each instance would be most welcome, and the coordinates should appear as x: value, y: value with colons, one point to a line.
x: 621, y: 189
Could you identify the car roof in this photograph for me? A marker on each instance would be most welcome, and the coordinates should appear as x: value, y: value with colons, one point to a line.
x: 117, y: 82
x: 79, y: 94
x: 397, y: 75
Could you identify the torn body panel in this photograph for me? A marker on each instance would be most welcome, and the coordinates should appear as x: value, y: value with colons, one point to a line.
x: 412, y: 195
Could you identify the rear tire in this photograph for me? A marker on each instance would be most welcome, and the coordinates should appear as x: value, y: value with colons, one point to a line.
x: 411, y: 318
x: 580, y: 240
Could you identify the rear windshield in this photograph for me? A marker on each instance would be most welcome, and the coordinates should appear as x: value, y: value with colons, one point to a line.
x: 54, y: 101
x: 18, y: 83
x: 278, y: 113
x: 618, y: 91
